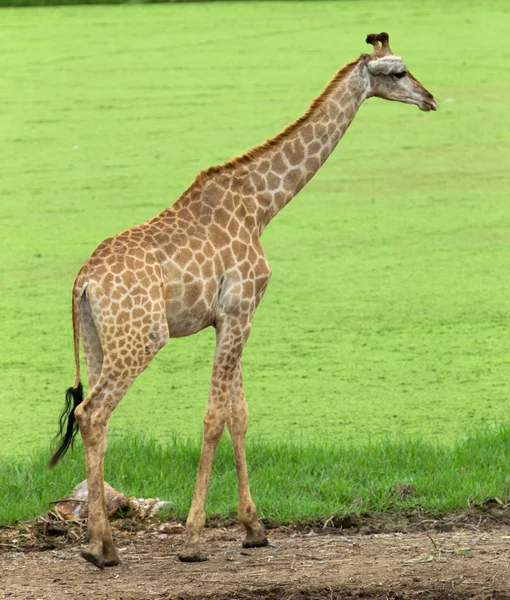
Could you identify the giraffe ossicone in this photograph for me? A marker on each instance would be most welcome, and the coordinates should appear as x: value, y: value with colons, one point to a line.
x: 197, y: 264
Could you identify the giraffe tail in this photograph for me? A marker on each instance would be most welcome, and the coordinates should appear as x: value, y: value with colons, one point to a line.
x: 68, y: 427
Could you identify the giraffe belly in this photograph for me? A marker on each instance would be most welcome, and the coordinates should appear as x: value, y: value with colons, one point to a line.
x: 185, y: 324
x: 186, y: 314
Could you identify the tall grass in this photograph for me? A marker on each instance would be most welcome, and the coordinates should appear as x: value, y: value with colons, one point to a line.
x: 290, y: 481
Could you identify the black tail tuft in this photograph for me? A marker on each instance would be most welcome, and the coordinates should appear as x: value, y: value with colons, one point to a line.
x: 65, y: 435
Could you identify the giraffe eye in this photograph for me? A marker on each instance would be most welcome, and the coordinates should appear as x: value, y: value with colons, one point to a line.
x: 400, y: 75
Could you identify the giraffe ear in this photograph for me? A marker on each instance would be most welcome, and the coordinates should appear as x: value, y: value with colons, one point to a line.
x: 387, y: 65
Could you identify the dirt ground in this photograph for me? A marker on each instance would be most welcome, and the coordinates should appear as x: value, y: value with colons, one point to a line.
x: 427, y: 561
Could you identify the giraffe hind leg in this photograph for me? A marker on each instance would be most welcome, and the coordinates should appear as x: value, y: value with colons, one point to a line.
x: 92, y: 348
x: 126, y: 351
x: 92, y: 416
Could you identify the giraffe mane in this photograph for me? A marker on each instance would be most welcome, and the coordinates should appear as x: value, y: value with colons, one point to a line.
x: 256, y: 151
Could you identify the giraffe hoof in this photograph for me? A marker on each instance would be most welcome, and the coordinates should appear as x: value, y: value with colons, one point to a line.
x: 92, y: 558
x: 192, y: 557
x: 255, y: 543
x: 112, y: 563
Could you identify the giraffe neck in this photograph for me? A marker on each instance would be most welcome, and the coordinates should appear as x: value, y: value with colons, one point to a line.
x: 270, y: 175
x: 281, y: 167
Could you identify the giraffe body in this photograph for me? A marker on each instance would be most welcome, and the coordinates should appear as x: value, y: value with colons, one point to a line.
x: 197, y: 264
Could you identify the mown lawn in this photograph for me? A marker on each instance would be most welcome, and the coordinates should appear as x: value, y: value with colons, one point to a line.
x: 387, y: 315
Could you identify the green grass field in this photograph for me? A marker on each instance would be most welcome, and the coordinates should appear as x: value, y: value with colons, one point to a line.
x: 387, y: 315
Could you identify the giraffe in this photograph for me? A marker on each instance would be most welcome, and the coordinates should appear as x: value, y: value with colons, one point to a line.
x: 197, y: 264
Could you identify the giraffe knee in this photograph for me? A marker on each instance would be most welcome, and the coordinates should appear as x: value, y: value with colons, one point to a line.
x: 213, y: 433
x: 80, y: 415
x: 214, y: 424
x: 88, y: 417
x: 238, y: 423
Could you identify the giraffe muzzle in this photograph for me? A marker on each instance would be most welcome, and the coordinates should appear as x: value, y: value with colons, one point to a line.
x: 427, y: 105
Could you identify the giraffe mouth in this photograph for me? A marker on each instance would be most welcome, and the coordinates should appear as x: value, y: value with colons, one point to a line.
x: 427, y: 105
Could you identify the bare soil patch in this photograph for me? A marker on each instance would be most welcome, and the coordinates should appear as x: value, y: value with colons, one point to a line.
x: 454, y: 559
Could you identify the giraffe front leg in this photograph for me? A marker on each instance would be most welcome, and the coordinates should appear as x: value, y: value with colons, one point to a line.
x: 238, y: 425
x: 213, y: 428
x: 231, y: 335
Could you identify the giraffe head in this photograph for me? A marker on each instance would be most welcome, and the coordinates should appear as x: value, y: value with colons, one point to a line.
x: 389, y: 77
